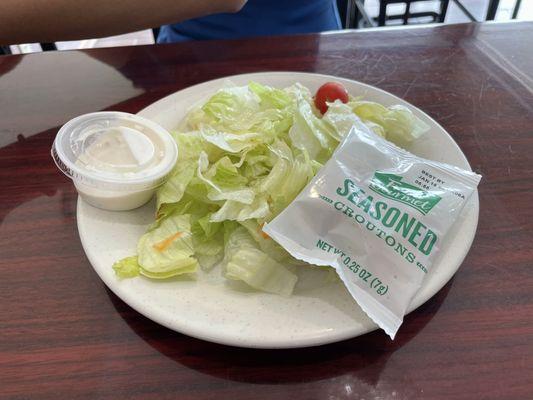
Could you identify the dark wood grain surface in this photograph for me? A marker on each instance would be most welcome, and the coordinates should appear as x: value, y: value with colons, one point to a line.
x: 64, y: 335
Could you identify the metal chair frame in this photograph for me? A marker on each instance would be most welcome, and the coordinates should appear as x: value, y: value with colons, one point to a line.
x: 353, y: 10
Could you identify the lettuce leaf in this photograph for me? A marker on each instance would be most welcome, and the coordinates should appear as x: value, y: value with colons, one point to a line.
x: 310, y: 132
x: 236, y: 211
x: 399, y: 125
x: 244, y: 261
x: 174, y: 188
x: 167, y: 250
x: 127, y: 267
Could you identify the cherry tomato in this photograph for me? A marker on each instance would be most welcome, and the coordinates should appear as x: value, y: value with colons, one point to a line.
x: 330, y: 92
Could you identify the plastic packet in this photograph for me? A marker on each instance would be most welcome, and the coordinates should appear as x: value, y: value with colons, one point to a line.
x: 377, y: 214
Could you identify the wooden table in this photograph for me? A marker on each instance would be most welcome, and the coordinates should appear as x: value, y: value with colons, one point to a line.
x: 64, y: 335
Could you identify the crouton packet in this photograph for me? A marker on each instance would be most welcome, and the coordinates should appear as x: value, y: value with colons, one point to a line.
x: 378, y: 215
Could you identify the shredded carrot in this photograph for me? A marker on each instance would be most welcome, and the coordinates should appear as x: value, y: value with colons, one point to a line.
x: 265, y: 236
x: 163, y: 244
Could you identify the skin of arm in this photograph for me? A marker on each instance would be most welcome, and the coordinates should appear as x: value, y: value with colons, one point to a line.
x: 24, y: 21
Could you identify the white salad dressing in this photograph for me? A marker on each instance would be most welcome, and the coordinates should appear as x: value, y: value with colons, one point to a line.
x: 119, y: 150
x: 116, y: 160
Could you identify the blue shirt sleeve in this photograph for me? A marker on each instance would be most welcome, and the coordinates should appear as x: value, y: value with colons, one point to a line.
x: 258, y: 18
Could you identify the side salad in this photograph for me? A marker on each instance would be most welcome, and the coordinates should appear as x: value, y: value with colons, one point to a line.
x: 244, y: 155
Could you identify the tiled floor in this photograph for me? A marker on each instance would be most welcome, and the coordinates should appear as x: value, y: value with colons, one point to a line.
x: 454, y: 15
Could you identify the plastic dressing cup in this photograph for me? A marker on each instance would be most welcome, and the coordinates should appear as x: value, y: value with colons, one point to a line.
x: 116, y: 160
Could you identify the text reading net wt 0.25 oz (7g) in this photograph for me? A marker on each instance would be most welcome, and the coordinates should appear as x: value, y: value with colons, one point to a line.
x: 360, y: 272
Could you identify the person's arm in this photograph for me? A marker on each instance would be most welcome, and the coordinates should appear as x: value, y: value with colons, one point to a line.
x: 24, y: 21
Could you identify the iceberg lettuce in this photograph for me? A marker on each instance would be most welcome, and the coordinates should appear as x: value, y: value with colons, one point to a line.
x: 244, y: 261
x: 167, y: 249
x: 244, y: 155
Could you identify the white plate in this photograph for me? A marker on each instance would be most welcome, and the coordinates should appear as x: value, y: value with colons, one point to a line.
x: 208, y: 308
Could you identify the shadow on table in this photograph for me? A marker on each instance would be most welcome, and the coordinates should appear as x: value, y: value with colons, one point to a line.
x: 366, y: 355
